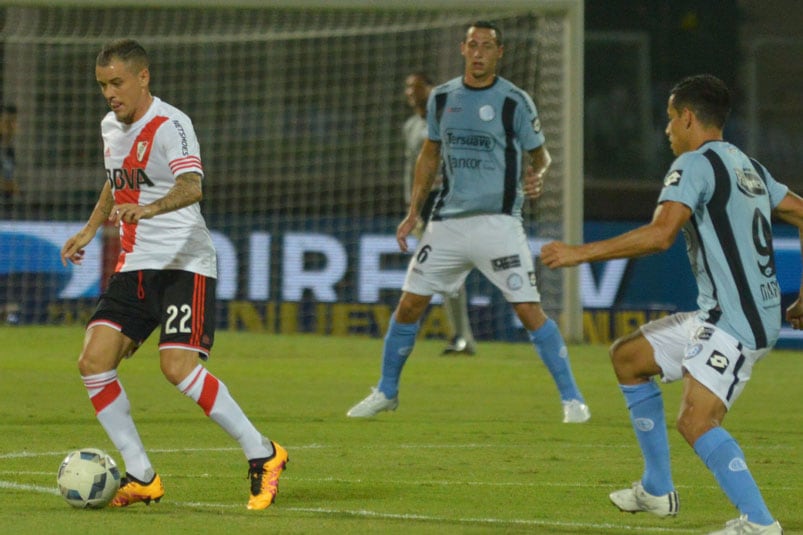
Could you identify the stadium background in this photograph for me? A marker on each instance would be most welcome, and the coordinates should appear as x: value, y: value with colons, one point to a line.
x: 304, y: 166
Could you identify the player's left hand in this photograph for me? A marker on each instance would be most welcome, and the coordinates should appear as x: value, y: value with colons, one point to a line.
x: 129, y: 213
x: 533, y: 183
x: 557, y: 254
x: 794, y: 314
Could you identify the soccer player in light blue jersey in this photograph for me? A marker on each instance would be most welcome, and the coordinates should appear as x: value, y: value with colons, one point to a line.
x: 722, y: 200
x: 480, y: 128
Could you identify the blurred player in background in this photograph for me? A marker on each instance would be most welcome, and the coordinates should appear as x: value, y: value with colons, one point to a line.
x: 479, y: 125
x: 165, y: 276
x: 9, y: 311
x: 723, y: 201
x: 8, y: 134
x: 417, y: 87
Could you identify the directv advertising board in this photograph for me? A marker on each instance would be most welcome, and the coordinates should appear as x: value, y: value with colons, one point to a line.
x: 294, y: 279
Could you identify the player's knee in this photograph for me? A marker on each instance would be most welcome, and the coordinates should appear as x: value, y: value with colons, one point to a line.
x: 177, y: 365
x: 172, y: 372
x: 531, y: 315
x: 625, y: 359
x: 618, y: 356
x: 691, y: 428
x: 91, y: 362
x: 83, y: 365
x: 410, y: 308
x: 406, y: 314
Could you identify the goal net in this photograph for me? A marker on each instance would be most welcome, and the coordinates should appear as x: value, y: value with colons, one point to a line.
x: 298, y: 107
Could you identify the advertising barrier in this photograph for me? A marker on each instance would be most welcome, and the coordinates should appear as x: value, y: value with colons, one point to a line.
x: 294, y: 279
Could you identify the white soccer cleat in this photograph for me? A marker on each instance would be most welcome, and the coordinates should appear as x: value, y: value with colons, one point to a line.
x: 742, y: 526
x: 459, y: 346
x: 637, y: 500
x: 373, y: 405
x: 575, y: 412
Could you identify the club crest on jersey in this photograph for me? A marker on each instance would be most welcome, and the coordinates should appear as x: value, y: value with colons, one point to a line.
x: 142, y: 146
x: 673, y: 178
x: 749, y: 182
x: 487, y: 113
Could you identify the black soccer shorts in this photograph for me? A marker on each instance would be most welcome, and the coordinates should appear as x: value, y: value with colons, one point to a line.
x: 181, y: 303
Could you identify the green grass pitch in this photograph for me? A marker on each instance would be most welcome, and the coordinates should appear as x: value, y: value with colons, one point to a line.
x: 476, y: 446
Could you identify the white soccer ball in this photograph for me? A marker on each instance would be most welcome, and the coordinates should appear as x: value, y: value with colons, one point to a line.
x: 88, y: 478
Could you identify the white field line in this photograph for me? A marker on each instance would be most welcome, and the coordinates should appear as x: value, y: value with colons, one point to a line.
x: 493, y: 521
x: 11, y: 485
x: 396, y: 482
x: 33, y: 488
x: 353, y: 481
x: 484, y: 445
x: 618, y: 528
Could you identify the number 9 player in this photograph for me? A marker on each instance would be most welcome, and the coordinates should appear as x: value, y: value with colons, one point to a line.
x: 723, y: 201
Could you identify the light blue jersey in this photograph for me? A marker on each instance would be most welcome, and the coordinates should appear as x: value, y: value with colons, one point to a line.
x: 729, y: 239
x: 483, y: 133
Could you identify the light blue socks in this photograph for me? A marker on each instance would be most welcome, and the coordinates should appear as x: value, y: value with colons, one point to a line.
x: 552, y: 350
x: 646, y: 406
x: 399, y: 343
x: 723, y: 456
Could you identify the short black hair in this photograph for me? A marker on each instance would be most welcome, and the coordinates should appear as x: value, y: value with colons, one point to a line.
x: 424, y: 77
x: 706, y: 95
x: 489, y: 26
x: 127, y: 50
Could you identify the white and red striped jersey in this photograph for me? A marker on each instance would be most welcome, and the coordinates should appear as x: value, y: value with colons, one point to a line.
x: 142, y: 162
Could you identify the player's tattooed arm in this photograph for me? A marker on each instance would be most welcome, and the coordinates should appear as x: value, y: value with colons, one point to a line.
x: 103, y: 208
x: 186, y: 191
x: 73, y: 249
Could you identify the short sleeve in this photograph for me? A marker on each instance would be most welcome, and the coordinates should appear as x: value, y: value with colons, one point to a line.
x: 433, y: 128
x: 690, y: 181
x: 528, y: 124
x: 181, y: 147
x: 775, y: 189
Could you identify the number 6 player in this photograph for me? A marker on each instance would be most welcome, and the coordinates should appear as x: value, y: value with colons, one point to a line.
x: 165, y: 276
x: 479, y: 127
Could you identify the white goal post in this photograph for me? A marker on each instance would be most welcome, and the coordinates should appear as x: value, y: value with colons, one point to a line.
x: 298, y: 106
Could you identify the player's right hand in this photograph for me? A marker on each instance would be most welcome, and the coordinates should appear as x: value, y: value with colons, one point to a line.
x: 73, y: 249
x: 404, y: 229
x: 556, y: 254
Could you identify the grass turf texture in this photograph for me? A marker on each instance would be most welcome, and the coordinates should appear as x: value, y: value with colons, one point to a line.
x: 477, y: 444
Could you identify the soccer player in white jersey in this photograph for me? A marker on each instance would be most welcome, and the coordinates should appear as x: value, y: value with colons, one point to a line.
x: 479, y: 126
x: 723, y: 202
x: 417, y: 87
x: 165, y: 276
